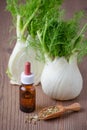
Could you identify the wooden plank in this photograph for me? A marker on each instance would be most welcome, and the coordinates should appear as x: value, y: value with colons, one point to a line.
x: 11, y: 118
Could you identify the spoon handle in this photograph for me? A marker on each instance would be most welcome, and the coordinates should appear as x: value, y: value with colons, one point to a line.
x: 73, y: 107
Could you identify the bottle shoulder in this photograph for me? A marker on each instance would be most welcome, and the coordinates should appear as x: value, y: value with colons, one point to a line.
x: 25, y: 87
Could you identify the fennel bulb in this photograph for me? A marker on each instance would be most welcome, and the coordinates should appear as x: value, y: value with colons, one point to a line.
x: 24, y: 12
x: 61, y: 79
x: 61, y: 42
x: 21, y: 53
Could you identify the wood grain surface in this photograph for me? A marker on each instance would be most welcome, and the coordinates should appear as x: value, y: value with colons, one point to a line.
x: 11, y: 118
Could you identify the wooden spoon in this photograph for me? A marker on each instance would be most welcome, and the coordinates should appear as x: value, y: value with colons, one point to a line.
x: 56, y: 111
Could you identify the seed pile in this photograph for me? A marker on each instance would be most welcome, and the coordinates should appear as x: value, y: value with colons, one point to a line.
x: 32, y: 119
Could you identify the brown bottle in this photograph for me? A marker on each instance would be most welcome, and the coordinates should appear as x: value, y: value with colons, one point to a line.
x: 27, y: 90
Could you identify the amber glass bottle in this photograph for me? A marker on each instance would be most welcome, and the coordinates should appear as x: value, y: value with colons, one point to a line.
x: 27, y: 90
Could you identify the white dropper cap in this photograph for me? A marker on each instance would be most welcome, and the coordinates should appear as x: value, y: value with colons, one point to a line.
x: 27, y: 77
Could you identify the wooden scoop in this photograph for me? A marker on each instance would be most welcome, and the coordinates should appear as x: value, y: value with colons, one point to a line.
x: 57, y: 111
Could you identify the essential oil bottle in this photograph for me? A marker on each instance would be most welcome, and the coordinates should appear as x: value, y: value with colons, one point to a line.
x: 27, y: 91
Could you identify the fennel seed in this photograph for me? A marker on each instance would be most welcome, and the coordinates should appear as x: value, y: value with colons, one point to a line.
x: 49, y: 111
x: 32, y: 119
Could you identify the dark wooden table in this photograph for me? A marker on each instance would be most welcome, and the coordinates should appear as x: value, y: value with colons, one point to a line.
x: 11, y: 118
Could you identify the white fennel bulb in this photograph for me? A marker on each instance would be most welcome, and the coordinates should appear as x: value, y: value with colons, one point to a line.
x: 21, y: 53
x: 62, y: 80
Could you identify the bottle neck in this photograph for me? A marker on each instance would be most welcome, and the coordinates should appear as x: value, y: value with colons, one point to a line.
x: 26, y: 84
